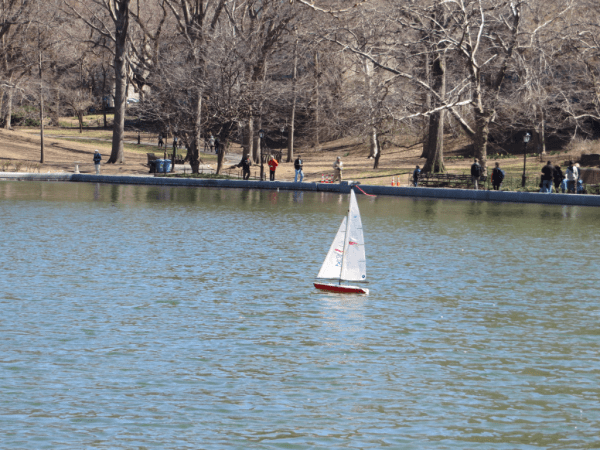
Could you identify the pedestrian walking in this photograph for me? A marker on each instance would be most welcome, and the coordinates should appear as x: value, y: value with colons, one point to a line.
x: 97, y: 159
x: 416, y: 174
x: 211, y: 142
x: 217, y: 144
x: 245, y: 164
x: 174, y: 144
x: 338, y: 167
x: 547, y: 178
x: 298, y: 168
x: 160, y: 140
x: 475, y: 173
x: 497, y: 177
x: 272, y: 166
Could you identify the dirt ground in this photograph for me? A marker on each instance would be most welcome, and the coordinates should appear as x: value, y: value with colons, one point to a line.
x: 20, y: 149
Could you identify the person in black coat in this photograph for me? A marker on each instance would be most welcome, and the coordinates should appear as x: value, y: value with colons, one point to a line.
x: 497, y: 177
x: 475, y: 173
x: 558, y: 177
x: 298, y: 169
x: 547, y: 177
x: 245, y: 164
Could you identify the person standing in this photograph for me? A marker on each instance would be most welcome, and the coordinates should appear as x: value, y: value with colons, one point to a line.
x: 97, y: 159
x: 298, y: 168
x: 338, y: 167
x: 211, y: 142
x: 497, y: 177
x: 160, y: 140
x: 416, y: 174
x: 475, y: 173
x: 217, y: 143
x: 558, y: 177
x: 174, y: 144
x: 547, y: 177
x: 572, y: 175
x: 272, y: 166
x: 245, y: 164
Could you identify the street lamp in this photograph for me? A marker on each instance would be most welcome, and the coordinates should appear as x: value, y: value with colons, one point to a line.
x: 261, y: 135
x: 282, y: 129
x: 525, y: 141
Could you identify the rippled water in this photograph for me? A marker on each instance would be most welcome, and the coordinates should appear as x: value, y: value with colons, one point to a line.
x: 147, y: 317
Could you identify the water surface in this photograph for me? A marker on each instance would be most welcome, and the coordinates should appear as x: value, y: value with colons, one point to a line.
x: 164, y: 317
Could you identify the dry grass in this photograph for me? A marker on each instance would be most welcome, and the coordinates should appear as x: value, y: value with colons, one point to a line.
x: 398, y: 159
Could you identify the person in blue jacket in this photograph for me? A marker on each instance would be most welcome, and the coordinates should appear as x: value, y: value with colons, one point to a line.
x: 416, y: 173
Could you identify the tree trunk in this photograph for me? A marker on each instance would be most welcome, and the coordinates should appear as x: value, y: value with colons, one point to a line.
x: 42, y: 156
x: 2, y: 94
x: 120, y: 66
x: 368, y: 71
x: 542, y: 131
x: 250, y: 136
x: 193, y: 153
x: 290, y: 155
x: 435, y: 144
x: 221, y: 157
x: 8, y: 116
x: 378, y: 155
x: 427, y: 104
x: 317, y: 120
x: 374, y: 150
x: 80, y: 120
x: 435, y: 135
x: 482, y: 131
x: 56, y: 111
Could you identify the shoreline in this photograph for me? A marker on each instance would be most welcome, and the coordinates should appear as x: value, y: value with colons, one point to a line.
x: 342, y: 188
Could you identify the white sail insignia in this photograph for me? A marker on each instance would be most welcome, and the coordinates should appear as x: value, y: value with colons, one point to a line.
x: 332, y: 266
x: 354, y: 264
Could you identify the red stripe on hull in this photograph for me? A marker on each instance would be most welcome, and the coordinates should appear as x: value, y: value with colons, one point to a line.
x: 340, y: 289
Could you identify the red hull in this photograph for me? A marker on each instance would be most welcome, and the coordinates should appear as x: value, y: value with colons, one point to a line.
x: 340, y: 289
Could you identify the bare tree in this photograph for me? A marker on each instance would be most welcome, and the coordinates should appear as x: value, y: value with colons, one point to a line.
x: 110, y: 19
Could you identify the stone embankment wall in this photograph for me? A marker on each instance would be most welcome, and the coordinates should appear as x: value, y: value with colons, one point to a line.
x: 433, y: 193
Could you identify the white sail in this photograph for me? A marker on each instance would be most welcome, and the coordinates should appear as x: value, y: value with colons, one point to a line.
x: 354, y: 264
x: 332, y: 266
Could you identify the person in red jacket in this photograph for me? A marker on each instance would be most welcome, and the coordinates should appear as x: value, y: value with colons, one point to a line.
x: 272, y: 166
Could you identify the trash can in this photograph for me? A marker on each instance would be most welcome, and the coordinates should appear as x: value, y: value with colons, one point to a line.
x: 167, y: 165
x: 159, y: 165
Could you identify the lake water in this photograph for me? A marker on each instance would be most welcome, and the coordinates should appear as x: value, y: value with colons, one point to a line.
x: 185, y: 318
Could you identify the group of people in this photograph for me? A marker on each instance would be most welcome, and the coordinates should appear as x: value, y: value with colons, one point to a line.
x: 246, y: 163
x: 161, y: 142
x: 567, y: 182
x: 551, y: 174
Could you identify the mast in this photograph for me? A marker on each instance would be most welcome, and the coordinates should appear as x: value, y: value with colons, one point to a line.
x: 346, y: 239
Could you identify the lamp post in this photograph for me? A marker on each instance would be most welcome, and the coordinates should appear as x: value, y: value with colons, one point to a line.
x: 261, y: 135
x: 282, y: 129
x: 525, y: 141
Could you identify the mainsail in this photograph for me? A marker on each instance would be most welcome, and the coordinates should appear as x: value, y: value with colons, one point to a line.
x: 346, y: 257
x: 354, y: 264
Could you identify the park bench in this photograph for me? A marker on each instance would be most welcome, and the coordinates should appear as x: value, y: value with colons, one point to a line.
x: 179, y: 159
x: 449, y: 180
x: 151, y: 157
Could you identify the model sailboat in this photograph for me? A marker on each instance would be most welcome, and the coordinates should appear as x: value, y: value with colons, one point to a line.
x: 346, y: 259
